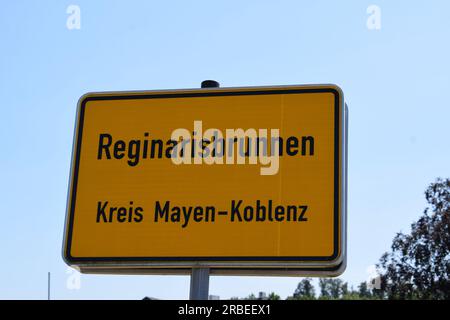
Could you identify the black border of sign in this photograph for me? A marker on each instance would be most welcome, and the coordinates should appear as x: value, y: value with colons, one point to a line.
x: 270, y: 91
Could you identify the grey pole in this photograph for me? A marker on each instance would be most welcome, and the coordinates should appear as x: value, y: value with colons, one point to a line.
x: 200, y: 276
x: 199, y: 284
x: 48, y: 286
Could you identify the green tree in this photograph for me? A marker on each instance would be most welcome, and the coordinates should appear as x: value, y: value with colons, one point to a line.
x: 263, y: 296
x: 344, y: 289
x: 351, y: 295
x: 418, y: 265
x: 332, y: 288
x: 251, y: 297
x: 273, y: 296
x: 305, y: 290
x: 363, y: 291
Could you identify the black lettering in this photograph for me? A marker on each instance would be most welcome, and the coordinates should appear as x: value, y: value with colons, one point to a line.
x: 274, y: 141
x: 101, y: 213
x: 102, y: 145
x: 121, y: 214
x: 311, y: 145
x: 260, y: 211
x: 133, y: 152
x: 171, y: 144
x: 279, y: 213
x: 269, y: 211
x: 159, y: 144
x: 176, y: 214
x: 119, y: 149
x: 248, y: 213
x: 162, y: 212
x: 210, y: 212
x: 291, y: 212
x: 138, y: 214
x: 198, y: 214
x: 111, y: 213
x: 235, y: 210
x: 302, y: 213
x: 292, y: 146
x: 145, y: 147
x: 187, y: 213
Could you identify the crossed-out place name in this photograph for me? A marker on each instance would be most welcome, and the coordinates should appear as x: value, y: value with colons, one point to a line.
x: 165, y: 212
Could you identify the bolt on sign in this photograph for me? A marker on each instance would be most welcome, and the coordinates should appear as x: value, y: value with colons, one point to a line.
x: 247, y: 180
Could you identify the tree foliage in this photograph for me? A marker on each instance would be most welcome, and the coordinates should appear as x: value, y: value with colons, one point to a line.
x: 273, y: 296
x: 418, y: 266
x: 305, y: 290
x: 331, y: 289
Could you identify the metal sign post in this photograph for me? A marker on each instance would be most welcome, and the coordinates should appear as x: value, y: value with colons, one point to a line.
x: 48, y: 286
x: 200, y: 276
x: 199, y: 284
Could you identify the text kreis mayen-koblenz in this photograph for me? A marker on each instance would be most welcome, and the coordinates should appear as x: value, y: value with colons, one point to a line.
x: 166, y: 212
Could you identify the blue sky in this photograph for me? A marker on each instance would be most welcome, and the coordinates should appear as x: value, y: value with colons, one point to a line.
x: 396, y: 82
